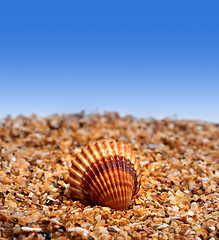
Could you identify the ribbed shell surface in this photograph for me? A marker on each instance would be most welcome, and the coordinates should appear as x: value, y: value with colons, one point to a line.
x: 105, y: 173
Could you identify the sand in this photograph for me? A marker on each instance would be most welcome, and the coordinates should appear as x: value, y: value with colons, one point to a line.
x: 179, y: 194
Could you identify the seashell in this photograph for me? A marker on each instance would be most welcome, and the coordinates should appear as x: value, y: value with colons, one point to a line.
x: 105, y: 173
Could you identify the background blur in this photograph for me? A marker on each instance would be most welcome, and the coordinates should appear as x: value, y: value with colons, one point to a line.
x: 155, y: 59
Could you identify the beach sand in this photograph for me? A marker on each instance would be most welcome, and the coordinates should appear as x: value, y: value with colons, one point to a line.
x: 179, y: 194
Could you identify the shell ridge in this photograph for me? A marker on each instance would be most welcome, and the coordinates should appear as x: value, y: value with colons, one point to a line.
x: 79, y: 161
x: 93, y: 149
x: 122, y: 180
x: 73, y: 172
x: 101, y: 149
x: 116, y: 172
x: 98, y: 164
x: 111, y: 183
x: 108, y: 148
x: 90, y: 184
x: 124, y: 177
x: 77, y: 166
x: 121, y: 149
x: 128, y: 180
x: 92, y: 176
x: 89, y: 155
x: 109, y: 165
x: 74, y: 182
x: 114, y: 148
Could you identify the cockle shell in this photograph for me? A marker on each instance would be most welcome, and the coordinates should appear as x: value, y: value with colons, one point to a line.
x: 105, y: 173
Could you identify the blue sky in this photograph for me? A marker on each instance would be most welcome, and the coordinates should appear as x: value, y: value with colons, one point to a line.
x: 136, y: 57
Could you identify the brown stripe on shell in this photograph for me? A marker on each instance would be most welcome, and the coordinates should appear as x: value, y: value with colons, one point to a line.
x: 105, y: 166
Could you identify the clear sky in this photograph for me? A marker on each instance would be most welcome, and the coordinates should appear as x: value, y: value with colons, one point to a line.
x: 145, y: 58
